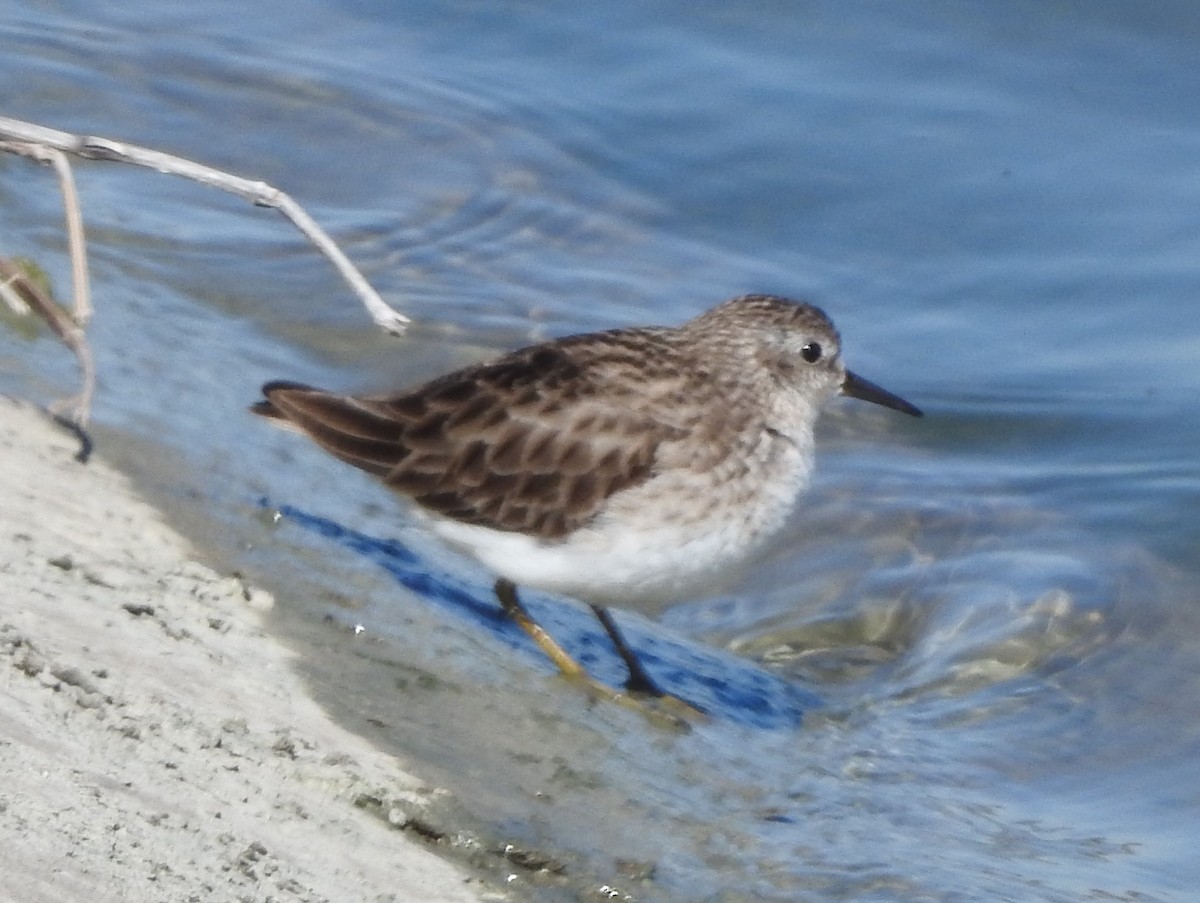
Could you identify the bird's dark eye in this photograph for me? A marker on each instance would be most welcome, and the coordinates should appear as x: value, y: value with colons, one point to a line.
x: 811, y: 352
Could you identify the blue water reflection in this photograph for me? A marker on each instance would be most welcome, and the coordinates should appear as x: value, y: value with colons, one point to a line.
x: 996, y: 203
x: 720, y: 685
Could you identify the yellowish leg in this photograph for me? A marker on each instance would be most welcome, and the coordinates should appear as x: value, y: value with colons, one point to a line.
x: 506, y: 592
x: 659, y: 707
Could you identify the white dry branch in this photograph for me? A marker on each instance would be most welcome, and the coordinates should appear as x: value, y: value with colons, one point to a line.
x: 23, y: 294
x: 50, y: 146
x: 91, y: 147
x: 75, y: 244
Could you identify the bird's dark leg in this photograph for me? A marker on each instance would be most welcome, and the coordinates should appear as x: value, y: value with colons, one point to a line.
x: 660, y: 708
x: 639, y: 680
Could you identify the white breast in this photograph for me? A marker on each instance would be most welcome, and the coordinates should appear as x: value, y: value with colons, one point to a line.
x: 682, y: 534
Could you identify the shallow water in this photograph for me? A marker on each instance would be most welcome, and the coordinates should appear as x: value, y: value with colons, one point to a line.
x: 995, y: 606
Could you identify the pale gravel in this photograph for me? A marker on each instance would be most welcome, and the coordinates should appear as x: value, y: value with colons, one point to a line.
x: 155, y: 743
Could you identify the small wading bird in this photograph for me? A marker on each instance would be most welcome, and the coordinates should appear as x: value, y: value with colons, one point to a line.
x: 633, y: 467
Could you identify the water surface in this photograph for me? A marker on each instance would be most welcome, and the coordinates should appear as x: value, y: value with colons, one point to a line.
x: 996, y: 606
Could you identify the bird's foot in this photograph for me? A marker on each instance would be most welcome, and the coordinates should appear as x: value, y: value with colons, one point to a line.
x: 641, y: 692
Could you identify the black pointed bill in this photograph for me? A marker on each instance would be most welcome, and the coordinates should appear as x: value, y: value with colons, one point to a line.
x: 857, y: 387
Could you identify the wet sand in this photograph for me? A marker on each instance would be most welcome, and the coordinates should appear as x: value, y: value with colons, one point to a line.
x: 155, y: 743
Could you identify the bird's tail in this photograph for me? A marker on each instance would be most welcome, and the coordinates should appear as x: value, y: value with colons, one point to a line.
x: 349, y: 428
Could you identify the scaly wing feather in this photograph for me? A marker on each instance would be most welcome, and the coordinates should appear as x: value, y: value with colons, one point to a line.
x: 534, y: 442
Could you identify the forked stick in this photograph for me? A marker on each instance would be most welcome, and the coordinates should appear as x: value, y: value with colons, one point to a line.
x: 23, y: 294
x: 50, y: 146
x: 94, y: 148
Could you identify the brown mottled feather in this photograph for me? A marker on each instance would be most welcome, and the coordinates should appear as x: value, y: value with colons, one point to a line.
x: 489, y: 445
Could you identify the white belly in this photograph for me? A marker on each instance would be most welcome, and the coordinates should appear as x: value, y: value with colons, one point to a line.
x: 672, y: 538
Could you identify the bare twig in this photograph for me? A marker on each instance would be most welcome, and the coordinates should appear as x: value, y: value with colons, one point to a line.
x: 80, y: 289
x: 10, y: 294
x: 75, y: 242
x: 260, y: 193
x: 73, y: 413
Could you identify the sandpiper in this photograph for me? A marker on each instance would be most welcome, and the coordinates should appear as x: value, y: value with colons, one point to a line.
x: 630, y: 468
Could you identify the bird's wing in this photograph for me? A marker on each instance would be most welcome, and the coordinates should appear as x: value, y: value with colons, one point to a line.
x: 533, y: 443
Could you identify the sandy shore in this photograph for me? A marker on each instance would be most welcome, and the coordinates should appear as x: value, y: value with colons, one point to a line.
x: 154, y: 742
